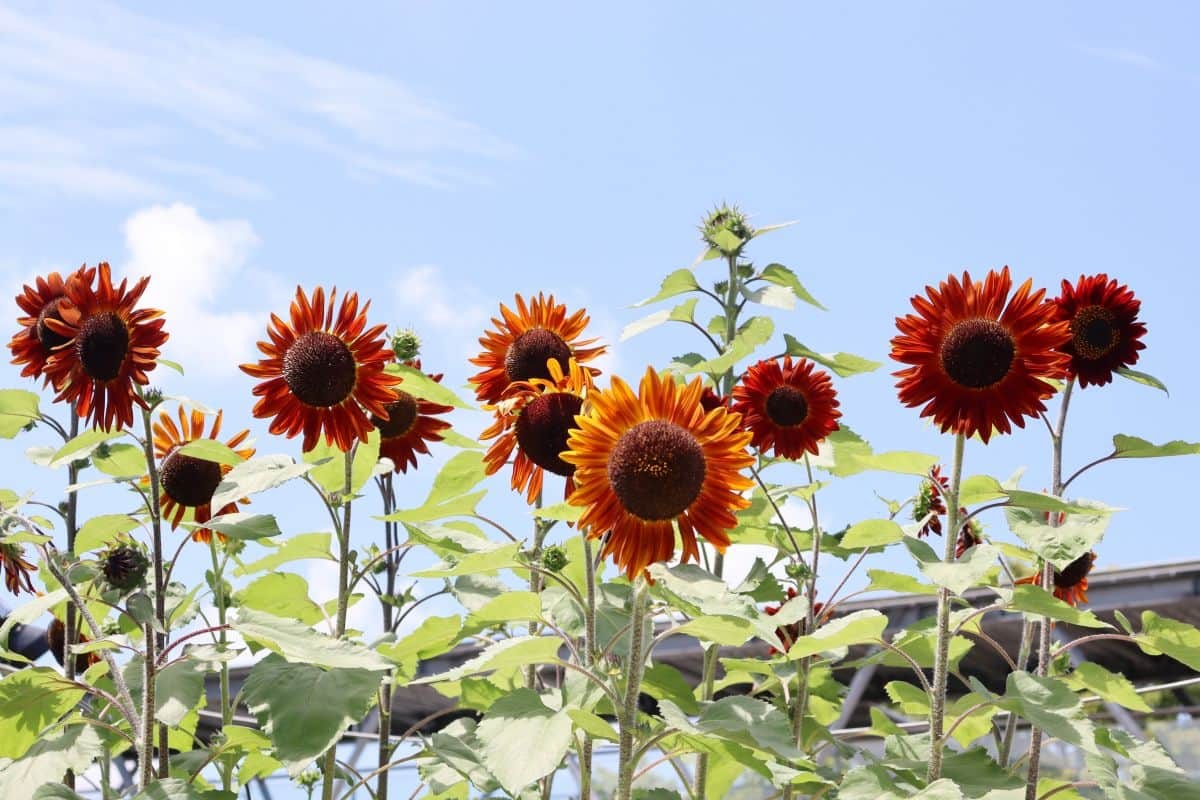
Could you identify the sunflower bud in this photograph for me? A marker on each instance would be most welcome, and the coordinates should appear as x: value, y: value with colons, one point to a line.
x: 726, y: 229
x: 153, y: 396
x: 124, y: 567
x: 797, y: 570
x: 554, y: 558
x: 406, y: 344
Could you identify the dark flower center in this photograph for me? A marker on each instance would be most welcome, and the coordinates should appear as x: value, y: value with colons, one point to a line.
x: 1074, y: 572
x: 402, y: 415
x: 787, y: 406
x: 189, y: 481
x: 319, y: 369
x: 526, y: 357
x: 657, y: 469
x: 50, y: 339
x: 543, y: 427
x: 101, y: 345
x: 1094, y: 333
x: 125, y: 567
x: 977, y: 353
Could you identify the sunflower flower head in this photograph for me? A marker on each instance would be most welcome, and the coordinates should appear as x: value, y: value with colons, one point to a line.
x: 323, y: 371
x: 1071, y: 582
x: 787, y: 407
x: 525, y: 340
x: 651, y: 462
x: 109, y: 346
x: 535, y: 419
x: 1105, y: 332
x: 124, y: 566
x: 187, y: 483
x: 410, y: 424
x: 34, y: 342
x: 978, y: 360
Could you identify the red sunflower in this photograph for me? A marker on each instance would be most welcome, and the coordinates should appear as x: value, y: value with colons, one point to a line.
x: 929, y: 502
x: 979, y: 359
x: 34, y: 343
x: 409, y: 425
x: 524, y: 341
x: 323, y: 373
x: 536, y: 417
x: 1071, y: 584
x: 787, y: 408
x: 56, y: 638
x: 109, y: 346
x: 649, y: 462
x: 188, y: 483
x: 16, y: 569
x: 1105, y: 334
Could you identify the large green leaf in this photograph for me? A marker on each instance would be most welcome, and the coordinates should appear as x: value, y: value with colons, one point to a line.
x: 968, y: 571
x: 845, y: 453
x: 179, y: 789
x: 678, y: 282
x: 297, y: 548
x: 102, y: 530
x: 1077, y: 534
x: 1143, y: 378
x: 523, y: 740
x: 1110, y: 686
x: 1179, y: 640
x: 508, y: 608
x: 780, y: 275
x: 244, y: 526
x: 418, y: 384
x: 1049, y: 704
x: 300, y: 644
x: 871, y: 533
x: 121, y: 460
x: 31, y: 700
x: 860, y: 627
x: 498, y: 555
x: 739, y: 719
x: 73, y: 748
x: 81, y: 446
x: 23, y: 615
x: 306, y: 709
x: 844, y: 365
x: 1133, y: 447
x: 178, y: 688
x: 17, y: 409
x: 434, y: 636
x: 449, y: 495
x: 516, y: 652
x: 1036, y: 600
x: 283, y: 594
x: 755, y: 332
x: 897, y: 582
x: 256, y: 475
x: 719, y: 614
x: 211, y: 450
x: 329, y: 465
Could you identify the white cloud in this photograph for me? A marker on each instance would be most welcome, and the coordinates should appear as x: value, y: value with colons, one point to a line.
x: 426, y: 293
x: 1124, y: 56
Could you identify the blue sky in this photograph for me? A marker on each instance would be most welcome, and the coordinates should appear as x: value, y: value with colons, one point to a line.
x: 439, y: 157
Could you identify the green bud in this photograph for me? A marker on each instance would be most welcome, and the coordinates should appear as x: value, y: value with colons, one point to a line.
x: 726, y: 229
x: 554, y: 558
x: 153, y: 396
x: 797, y: 571
x: 406, y: 344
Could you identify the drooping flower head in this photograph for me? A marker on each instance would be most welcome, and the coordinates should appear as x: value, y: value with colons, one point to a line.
x: 411, y: 423
x: 17, y: 570
x: 790, y: 633
x: 56, y: 638
x: 109, y: 346
x: 928, y: 505
x: 1071, y: 583
x: 979, y: 360
x: 187, y: 483
x: 323, y: 372
x: 1105, y: 334
x: 649, y: 462
x: 788, y: 408
x: 124, y: 566
x: 535, y: 418
x: 525, y: 340
x: 33, y: 344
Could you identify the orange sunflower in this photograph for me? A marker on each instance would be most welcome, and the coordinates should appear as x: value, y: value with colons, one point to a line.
x: 33, y: 344
x: 978, y: 358
x: 536, y: 417
x: 788, y: 409
x: 188, y: 483
x: 323, y: 373
x: 109, y: 346
x: 1071, y: 584
x: 524, y: 341
x: 410, y: 423
x: 645, y: 463
x: 1105, y: 333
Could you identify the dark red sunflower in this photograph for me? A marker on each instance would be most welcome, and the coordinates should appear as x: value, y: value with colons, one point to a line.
x: 17, y: 570
x: 649, y: 462
x: 710, y: 399
x: 323, y: 373
x: 536, y: 417
x: 410, y: 424
x: 1070, y: 584
x: 788, y: 634
x: 969, y: 535
x: 929, y: 502
x: 56, y: 638
x: 787, y: 408
x: 187, y: 484
x: 1105, y: 334
x: 525, y: 340
x: 33, y: 344
x: 109, y: 346
x: 980, y: 361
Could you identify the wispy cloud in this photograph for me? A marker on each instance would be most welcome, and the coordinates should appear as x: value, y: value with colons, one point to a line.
x: 65, y: 69
x: 1124, y: 55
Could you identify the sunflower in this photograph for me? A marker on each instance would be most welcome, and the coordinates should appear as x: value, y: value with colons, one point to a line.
x: 536, y: 417
x: 323, y: 374
x: 33, y: 344
x: 978, y: 358
x: 1105, y: 333
x: 56, y: 639
x: 648, y: 460
x: 788, y: 409
x: 188, y: 483
x: 928, y: 505
x: 16, y: 569
x: 1071, y: 584
x: 410, y: 423
x: 524, y: 341
x: 109, y: 346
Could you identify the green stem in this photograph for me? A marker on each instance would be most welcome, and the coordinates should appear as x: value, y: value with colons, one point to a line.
x: 388, y: 490
x: 540, y: 529
x: 71, y: 622
x: 941, y: 663
x: 329, y: 763
x: 160, y: 600
x: 146, y: 757
x: 589, y: 657
x: 633, y: 684
x: 222, y: 639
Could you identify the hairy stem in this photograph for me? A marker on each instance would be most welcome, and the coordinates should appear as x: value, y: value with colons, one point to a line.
x: 633, y: 685
x: 71, y: 622
x: 589, y: 659
x: 329, y: 764
x: 160, y: 599
x: 222, y: 601
x: 388, y: 490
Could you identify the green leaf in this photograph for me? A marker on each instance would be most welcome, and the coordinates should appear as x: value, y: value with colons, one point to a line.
x: 966, y: 572
x: 700, y: 595
x: 678, y: 282
x: 871, y: 533
x: 516, y: 652
x: 179, y: 789
x: 592, y: 725
x: 299, y: 547
x: 102, y: 530
x: 121, y: 460
x: 1077, y: 534
x: 684, y: 312
x: 523, y: 740
x: 81, y: 446
x: 1133, y: 447
x: 256, y: 475
x: 770, y: 296
x: 299, y: 643
x: 51, y: 791
x: 979, y: 489
x: 563, y: 512
x: 739, y: 719
x: 883, y: 580
x: 497, y: 556
x: 845, y: 453
x: 664, y: 682
x: 283, y: 594
x: 418, y: 384
x: 1179, y: 640
x: 1049, y: 704
x: 434, y: 636
x: 17, y: 409
x: 27, y: 613
x: 448, y: 497
x: 1036, y: 600
x: 911, y: 700
x: 1110, y: 686
x: 753, y: 334
x: 329, y: 465
x: 73, y: 748
x: 860, y: 627
x: 780, y: 275
x: 729, y: 631
x: 844, y: 365
x: 1142, y: 378
x: 211, y: 450
x: 178, y: 688
x: 508, y: 607
x: 244, y: 526
x: 306, y: 709
x: 31, y: 700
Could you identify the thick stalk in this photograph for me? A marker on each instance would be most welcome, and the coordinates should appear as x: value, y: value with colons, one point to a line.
x: 385, y: 692
x: 71, y: 622
x: 329, y: 763
x: 1047, y: 582
x: 160, y: 600
x: 540, y: 529
x: 146, y: 757
x: 941, y: 662
x: 633, y: 686
x: 222, y: 639
x: 589, y: 659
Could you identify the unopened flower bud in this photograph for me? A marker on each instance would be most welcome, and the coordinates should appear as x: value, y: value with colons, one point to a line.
x: 406, y: 344
x: 554, y: 558
x: 124, y: 567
